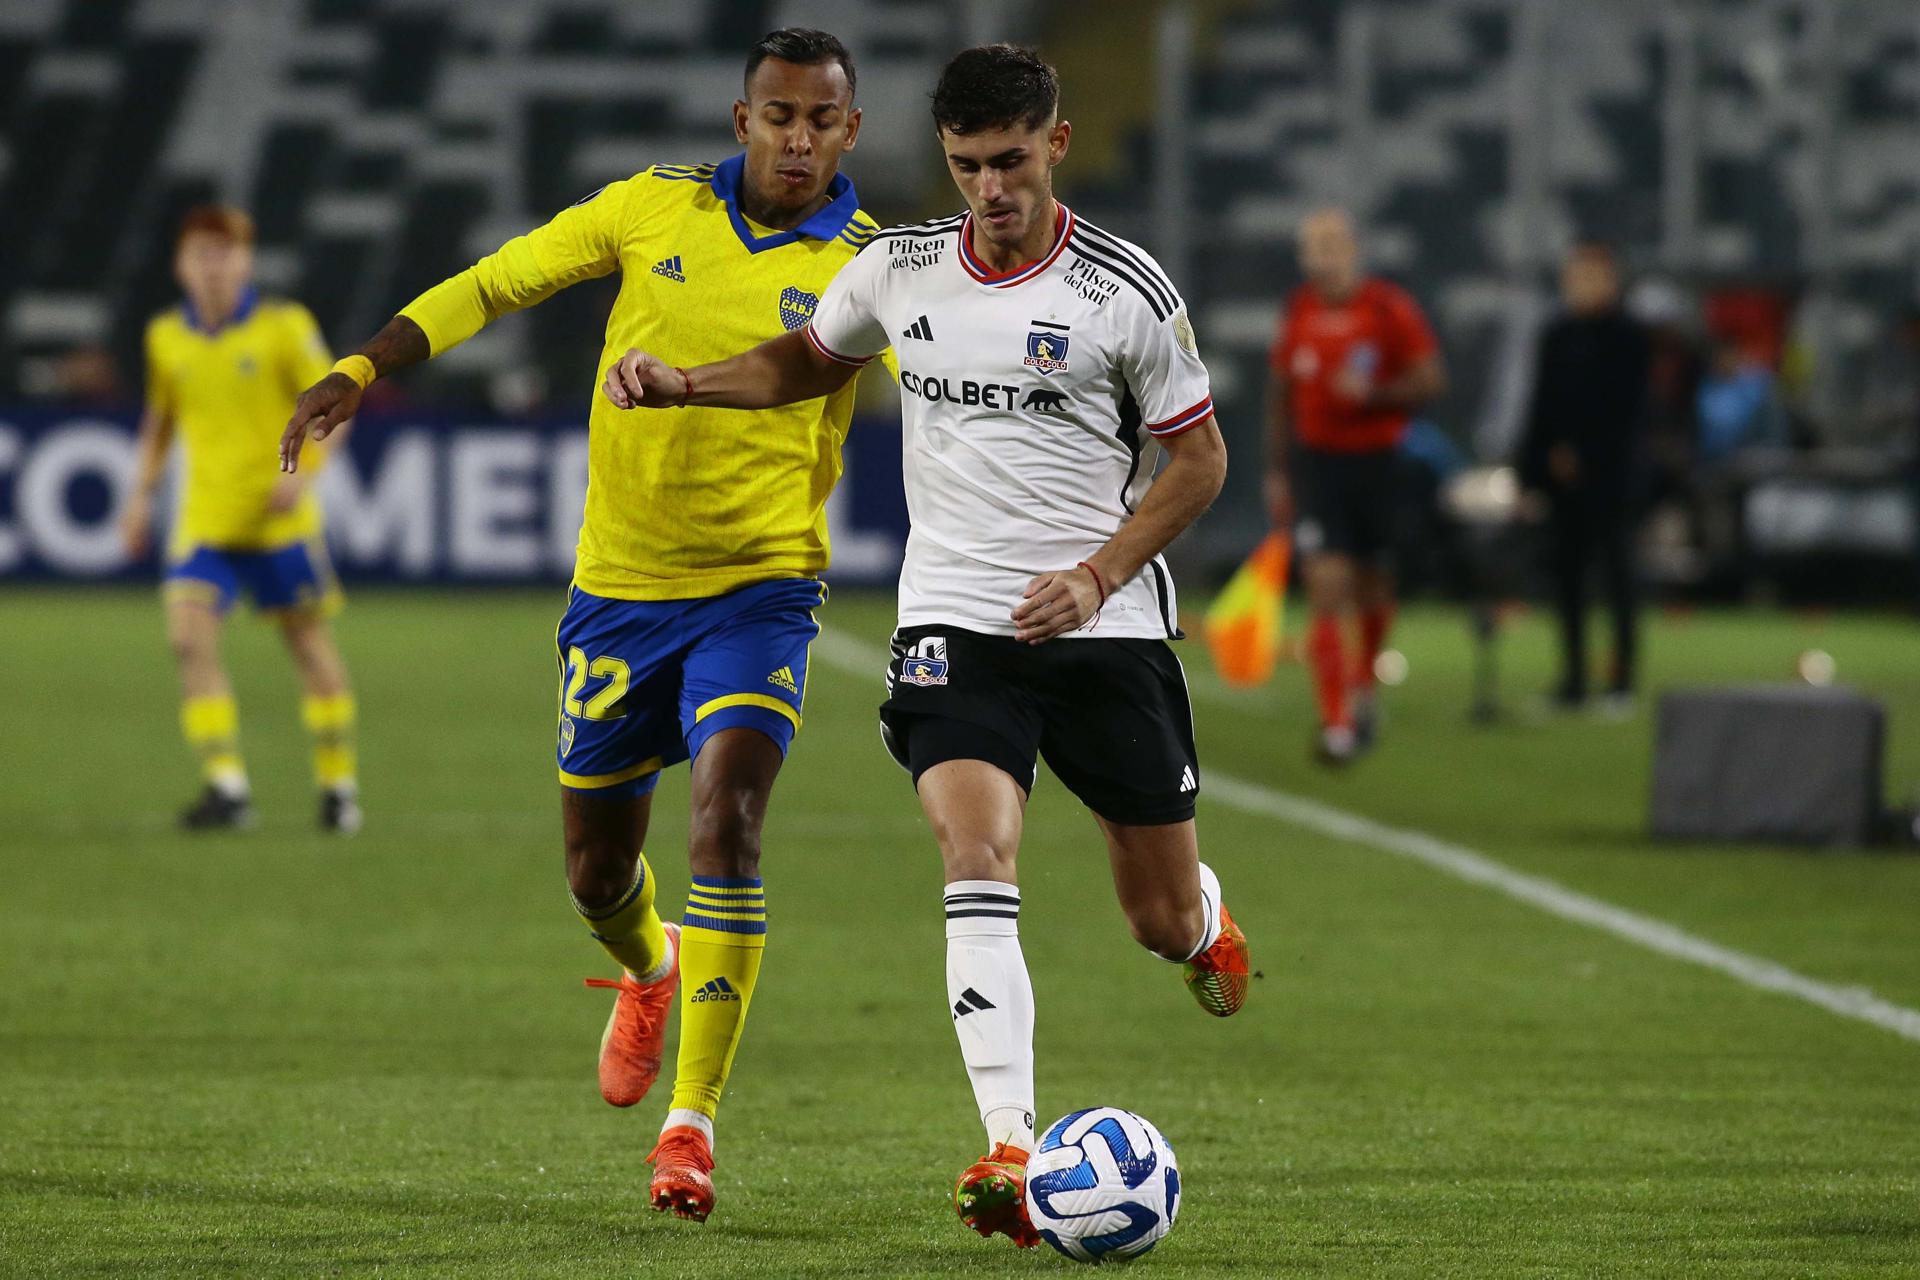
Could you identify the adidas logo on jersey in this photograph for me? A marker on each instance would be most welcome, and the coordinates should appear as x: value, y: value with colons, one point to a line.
x: 716, y: 989
x: 919, y: 329
x: 1187, y: 781
x: 784, y: 678
x: 671, y: 269
x: 971, y: 1001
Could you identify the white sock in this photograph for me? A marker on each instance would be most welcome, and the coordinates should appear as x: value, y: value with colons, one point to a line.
x: 688, y: 1116
x: 1210, y: 899
x: 660, y: 970
x: 991, y: 1000
x: 231, y: 783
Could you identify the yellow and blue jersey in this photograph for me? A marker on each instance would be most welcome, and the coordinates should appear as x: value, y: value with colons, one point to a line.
x: 695, y: 502
x: 229, y: 389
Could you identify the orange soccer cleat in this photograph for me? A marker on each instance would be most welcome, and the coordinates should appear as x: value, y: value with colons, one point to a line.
x: 992, y: 1196
x: 636, y: 1032
x: 682, y: 1162
x: 1218, y: 976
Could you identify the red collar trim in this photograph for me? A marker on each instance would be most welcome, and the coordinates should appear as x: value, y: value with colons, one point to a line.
x: 971, y: 263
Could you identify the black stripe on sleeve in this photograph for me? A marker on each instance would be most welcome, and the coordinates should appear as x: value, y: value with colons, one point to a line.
x: 1087, y: 250
x: 1138, y: 259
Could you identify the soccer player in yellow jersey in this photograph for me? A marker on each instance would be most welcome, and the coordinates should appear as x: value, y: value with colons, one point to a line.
x: 686, y: 630
x: 222, y: 368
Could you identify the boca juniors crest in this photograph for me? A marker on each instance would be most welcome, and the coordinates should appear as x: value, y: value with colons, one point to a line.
x: 927, y: 663
x: 796, y: 307
x: 1047, y: 348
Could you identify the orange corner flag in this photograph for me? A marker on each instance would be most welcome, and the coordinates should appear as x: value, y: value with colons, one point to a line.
x: 1244, y: 622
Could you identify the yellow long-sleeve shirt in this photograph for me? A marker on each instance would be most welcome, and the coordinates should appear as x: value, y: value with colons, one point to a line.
x: 690, y: 502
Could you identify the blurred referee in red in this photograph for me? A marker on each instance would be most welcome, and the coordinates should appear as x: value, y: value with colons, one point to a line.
x: 1354, y: 358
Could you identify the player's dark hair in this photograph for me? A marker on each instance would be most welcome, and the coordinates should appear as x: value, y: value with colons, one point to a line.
x: 802, y: 46
x: 1594, y: 247
x: 995, y: 86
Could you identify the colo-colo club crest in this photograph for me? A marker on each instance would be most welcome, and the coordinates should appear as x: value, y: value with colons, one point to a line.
x: 926, y: 663
x: 1047, y: 347
x: 796, y: 307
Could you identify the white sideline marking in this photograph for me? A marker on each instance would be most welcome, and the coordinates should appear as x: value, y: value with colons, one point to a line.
x: 1859, y: 1003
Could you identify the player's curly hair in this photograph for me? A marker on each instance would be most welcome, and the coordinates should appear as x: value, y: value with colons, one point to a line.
x: 802, y: 46
x: 995, y: 86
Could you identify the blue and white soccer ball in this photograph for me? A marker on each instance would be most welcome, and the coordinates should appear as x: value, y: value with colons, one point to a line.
x: 1102, y: 1185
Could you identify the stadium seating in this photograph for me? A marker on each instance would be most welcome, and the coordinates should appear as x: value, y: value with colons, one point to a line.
x: 382, y: 146
x: 385, y: 144
x: 1437, y: 182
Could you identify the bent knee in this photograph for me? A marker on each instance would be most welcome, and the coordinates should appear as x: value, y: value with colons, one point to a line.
x: 191, y: 645
x: 723, y: 835
x: 598, y: 873
x: 973, y: 854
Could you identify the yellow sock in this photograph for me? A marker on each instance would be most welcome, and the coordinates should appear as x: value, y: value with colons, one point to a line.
x: 211, y: 726
x: 722, y: 936
x: 629, y: 928
x: 330, y: 721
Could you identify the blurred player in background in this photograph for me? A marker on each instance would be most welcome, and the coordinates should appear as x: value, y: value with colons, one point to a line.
x: 686, y: 630
x: 222, y: 370
x: 1582, y: 451
x: 1353, y: 360
x: 1045, y: 365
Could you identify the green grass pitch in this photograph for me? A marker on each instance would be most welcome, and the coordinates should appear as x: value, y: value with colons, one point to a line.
x: 277, y: 1054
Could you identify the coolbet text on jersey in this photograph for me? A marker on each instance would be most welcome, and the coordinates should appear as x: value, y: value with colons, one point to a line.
x: 698, y: 501
x: 1379, y: 333
x: 1031, y: 401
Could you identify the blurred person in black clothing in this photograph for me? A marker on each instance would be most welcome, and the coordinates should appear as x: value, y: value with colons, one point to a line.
x: 1582, y: 454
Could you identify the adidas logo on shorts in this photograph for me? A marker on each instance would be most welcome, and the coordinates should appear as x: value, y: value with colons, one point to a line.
x: 784, y: 678
x: 715, y: 989
x: 1187, y: 781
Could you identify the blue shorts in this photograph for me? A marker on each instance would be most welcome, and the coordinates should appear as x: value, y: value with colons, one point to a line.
x: 645, y: 683
x: 294, y: 577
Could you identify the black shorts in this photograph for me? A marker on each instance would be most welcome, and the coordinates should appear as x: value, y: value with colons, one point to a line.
x: 1111, y: 717
x: 1346, y: 503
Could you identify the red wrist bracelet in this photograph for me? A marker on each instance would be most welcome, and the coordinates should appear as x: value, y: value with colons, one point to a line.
x: 1100, y: 586
x: 686, y: 388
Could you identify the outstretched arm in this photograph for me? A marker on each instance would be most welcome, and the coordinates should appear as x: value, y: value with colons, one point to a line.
x: 334, y: 399
x: 579, y: 243
x: 779, y: 371
x: 1059, y: 602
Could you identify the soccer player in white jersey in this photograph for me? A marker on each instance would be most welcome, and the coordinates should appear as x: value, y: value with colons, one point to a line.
x: 1044, y: 364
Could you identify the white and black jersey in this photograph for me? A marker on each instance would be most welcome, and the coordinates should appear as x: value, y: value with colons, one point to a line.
x: 1031, y: 401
